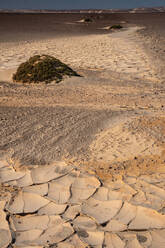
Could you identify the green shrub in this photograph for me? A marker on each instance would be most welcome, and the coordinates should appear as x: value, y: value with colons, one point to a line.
x: 117, y: 26
x: 88, y: 20
x: 42, y: 68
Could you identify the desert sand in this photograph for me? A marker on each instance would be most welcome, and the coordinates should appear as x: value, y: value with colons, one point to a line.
x: 118, y: 52
x: 83, y: 118
x: 107, y: 125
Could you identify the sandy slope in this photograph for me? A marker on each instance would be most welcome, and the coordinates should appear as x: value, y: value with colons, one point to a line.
x: 88, y: 118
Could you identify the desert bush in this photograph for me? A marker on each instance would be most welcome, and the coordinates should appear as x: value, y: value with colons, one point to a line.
x: 42, y: 68
x: 88, y: 20
x: 117, y: 26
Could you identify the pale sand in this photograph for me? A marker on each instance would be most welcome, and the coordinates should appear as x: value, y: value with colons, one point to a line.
x: 6, y: 75
x: 119, y: 52
x: 119, y: 143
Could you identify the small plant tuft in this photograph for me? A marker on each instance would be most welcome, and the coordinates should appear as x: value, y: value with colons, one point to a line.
x: 88, y: 20
x: 42, y: 68
x: 117, y: 26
